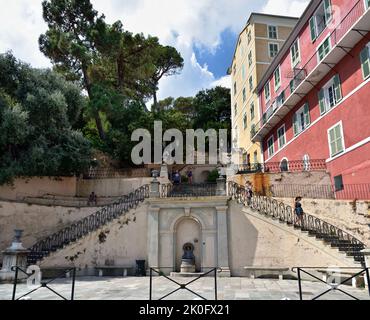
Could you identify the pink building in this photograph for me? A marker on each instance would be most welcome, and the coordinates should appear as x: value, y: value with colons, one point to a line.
x: 315, y: 96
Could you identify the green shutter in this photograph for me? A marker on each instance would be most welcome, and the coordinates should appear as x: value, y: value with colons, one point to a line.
x: 328, y: 11
x: 313, y: 29
x: 367, y: 4
x: 337, y: 88
x: 295, y: 124
x: 307, y: 118
x: 322, y: 102
x: 365, y: 61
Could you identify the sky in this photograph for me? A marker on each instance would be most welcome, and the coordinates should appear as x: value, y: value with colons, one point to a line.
x: 203, y: 31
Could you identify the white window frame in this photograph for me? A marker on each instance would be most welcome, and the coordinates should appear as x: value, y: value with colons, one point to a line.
x: 268, y: 147
x: 277, y: 87
x: 340, y: 123
x: 269, y: 51
x: 320, y: 45
x: 267, y: 85
x: 285, y: 142
x: 268, y: 31
x: 301, y: 111
x: 295, y: 63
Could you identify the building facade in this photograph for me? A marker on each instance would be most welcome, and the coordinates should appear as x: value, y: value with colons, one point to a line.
x: 257, y: 45
x: 314, y: 97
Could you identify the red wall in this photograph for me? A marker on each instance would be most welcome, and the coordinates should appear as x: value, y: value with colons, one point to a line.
x: 354, y: 112
x: 307, y: 48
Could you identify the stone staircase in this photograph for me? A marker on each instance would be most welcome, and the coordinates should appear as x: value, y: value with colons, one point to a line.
x: 330, y: 235
x: 87, y: 225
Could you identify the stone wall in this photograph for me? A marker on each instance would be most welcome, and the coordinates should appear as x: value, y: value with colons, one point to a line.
x: 36, y: 221
x: 120, y: 242
x: 256, y: 240
x: 112, y: 187
x: 351, y: 216
x: 36, y: 187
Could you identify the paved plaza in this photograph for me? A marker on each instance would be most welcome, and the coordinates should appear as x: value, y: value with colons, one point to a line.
x: 134, y: 288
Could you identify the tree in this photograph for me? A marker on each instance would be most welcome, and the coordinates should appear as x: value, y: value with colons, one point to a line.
x: 185, y: 106
x: 167, y: 61
x: 38, y: 109
x: 69, y: 41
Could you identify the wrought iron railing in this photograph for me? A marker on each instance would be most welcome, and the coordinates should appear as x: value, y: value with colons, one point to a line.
x: 284, y: 166
x: 81, y: 228
x: 275, y: 209
x: 108, y: 173
x: 185, y: 190
x: 335, y: 36
x: 301, y: 190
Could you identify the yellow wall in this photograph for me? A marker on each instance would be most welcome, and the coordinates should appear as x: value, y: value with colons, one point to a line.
x: 258, y: 46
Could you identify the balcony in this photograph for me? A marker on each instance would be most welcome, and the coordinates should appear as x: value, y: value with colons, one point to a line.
x: 349, y: 31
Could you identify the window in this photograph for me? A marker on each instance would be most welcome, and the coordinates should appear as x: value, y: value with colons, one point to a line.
x: 234, y: 88
x: 320, y: 19
x: 243, y: 72
x: 267, y: 92
x: 324, y: 49
x: 255, y: 157
x: 284, y: 165
x: 338, y: 183
x: 250, y: 58
x: 295, y: 54
x: 234, y: 69
x: 330, y: 95
x: 235, y: 109
x: 280, y: 100
x: 244, y: 95
x: 270, y: 146
x: 272, y: 32
x: 281, y: 137
x: 336, y: 139
x: 273, y: 50
x: 365, y: 60
x: 252, y: 110
x: 301, y: 119
x: 251, y: 83
x: 277, y: 78
x: 367, y: 4
x: 249, y: 37
x: 245, y: 121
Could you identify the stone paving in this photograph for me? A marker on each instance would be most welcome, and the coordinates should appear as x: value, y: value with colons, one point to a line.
x: 133, y: 288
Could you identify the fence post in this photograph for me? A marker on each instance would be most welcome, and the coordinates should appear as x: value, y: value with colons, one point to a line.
x: 299, y: 284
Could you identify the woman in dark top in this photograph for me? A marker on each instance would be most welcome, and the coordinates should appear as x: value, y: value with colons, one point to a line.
x: 298, y: 210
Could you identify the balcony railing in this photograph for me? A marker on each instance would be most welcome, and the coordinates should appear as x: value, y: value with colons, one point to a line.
x: 284, y: 166
x: 185, y: 190
x: 301, y: 75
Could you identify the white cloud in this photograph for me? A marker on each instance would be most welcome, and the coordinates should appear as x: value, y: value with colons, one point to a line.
x: 180, y: 23
x: 286, y: 7
x: 223, y: 82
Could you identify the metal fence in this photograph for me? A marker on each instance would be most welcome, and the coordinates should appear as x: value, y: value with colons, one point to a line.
x: 108, y: 173
x: 305, y: 191
x: 284, y: 166
x: 185, y: 190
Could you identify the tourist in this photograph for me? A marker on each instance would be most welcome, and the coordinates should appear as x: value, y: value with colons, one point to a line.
x: 93, y: 199
x: 249, y: 192
x: 177, y: 178
x: 190, y: 177
x: 298, y: 210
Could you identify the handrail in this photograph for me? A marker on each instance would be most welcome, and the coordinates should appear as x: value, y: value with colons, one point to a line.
x: 311, y: 64
x: 287, y: 166
x: 88, y: 224
x: 285, y: 213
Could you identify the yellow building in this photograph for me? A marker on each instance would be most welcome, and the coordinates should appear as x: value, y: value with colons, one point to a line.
x: 256, y: 48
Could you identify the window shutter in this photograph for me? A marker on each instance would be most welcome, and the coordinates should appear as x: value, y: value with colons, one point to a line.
x: 367, y: 4
x: 337, y: 88
x: 313, y: 29
x: 307, y: 118
x: 365, y: 61
x: 322, y: 102
x: 327, y: 8
x: 295, y: 124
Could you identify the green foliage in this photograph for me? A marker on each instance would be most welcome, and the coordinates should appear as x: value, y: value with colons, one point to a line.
x: 213, y: 176
x: 38, y: 109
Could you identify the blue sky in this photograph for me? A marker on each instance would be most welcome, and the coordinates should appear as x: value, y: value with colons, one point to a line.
x: 203, y: 31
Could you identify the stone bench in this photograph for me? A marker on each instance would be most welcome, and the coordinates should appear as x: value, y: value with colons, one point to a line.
x: 256, y: 271
x: 124, y: 269
x: 358, y: 281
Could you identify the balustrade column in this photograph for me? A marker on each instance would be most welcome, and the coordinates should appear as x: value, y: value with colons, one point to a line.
x: 222, y: 242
